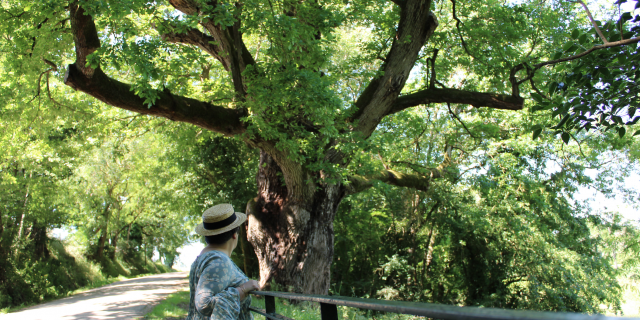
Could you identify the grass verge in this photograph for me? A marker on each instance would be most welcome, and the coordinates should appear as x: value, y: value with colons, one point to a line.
x: 175, y: 306
x: 311, y: 311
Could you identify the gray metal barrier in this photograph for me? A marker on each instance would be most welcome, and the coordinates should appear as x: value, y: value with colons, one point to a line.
x: 329, y: 311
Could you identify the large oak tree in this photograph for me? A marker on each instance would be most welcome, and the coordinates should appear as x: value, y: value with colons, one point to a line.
x: 307, y: 83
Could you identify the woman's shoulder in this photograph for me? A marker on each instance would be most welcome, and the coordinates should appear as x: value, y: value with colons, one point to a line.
x: 220, y: 267
x: 213, y: 258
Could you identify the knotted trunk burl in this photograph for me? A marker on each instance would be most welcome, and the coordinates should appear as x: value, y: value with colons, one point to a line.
x: 293, y: 239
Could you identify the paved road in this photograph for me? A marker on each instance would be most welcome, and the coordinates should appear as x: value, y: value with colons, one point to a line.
x: 128, y: 299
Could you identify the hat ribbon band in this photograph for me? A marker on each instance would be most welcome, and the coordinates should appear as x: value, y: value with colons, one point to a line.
x: 219, y: 224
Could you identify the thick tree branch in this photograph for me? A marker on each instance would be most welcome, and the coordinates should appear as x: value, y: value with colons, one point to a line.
x: 476, y: 99
x: 416, y: 25
x: 432, y: 61
x: 201, y: 40
x: 230, y: 48
x: 408, y: 180
x: 95, y: 83
x: 167, y: 105
x: 85, y: 37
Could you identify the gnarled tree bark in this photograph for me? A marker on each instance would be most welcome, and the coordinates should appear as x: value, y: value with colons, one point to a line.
x: 293, y: 239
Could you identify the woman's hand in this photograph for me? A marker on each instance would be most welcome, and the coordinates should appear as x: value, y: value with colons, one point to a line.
x: 246, y: 287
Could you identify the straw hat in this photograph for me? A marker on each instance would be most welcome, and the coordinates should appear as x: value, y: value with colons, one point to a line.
x: 219, y: 219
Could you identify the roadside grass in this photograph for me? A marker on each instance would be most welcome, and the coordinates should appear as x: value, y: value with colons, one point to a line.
x: 175, y: 306
x: 301, y: 311
x: 311, y: 311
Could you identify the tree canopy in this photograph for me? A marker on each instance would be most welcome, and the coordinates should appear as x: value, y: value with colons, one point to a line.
x: 322, y: 101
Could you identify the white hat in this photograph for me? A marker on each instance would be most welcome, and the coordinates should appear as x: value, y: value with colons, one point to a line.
x: 219, y: 219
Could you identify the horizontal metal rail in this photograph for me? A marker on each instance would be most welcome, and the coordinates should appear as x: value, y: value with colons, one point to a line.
x: 432, y: 310
x: 269, y: 316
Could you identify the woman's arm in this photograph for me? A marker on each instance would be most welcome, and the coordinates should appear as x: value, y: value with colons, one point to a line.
x: 246, y: 287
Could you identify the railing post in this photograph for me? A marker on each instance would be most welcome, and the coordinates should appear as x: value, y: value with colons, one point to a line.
x: 328, y: 311
x: 270, y: 304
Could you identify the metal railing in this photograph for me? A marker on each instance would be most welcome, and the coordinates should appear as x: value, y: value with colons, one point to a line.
x: 329, y: 310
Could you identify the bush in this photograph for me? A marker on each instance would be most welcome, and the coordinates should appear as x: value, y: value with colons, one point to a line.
x: 61, y: 273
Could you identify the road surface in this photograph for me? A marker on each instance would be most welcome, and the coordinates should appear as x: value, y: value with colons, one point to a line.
x: 128, y: 299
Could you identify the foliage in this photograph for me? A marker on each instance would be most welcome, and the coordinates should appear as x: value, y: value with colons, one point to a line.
x: 500, y: 232
x: 495, y: 225
x: 63, y: 273
x: 59, y: 170
x: 621, y: 246
x: 599, y: 90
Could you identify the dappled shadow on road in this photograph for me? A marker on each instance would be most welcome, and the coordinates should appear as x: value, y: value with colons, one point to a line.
x: 116, y: 288
x: 116, y: 310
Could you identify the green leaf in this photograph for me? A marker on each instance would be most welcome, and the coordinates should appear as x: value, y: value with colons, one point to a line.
x: 566, y: 137
x: 621, y: 131
x: 583, y: 38
x: 636, y: 133
x: 545, y: 105
x: 553, y: 86
x: 536, y: 133
x: 564, y: 119
x: 575, y: 34
x: 536, y: 97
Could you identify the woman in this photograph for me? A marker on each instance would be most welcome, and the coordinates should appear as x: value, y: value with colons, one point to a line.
x: 219, y: 289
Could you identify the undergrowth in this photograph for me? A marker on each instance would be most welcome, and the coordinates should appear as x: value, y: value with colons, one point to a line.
x: 65, y: 272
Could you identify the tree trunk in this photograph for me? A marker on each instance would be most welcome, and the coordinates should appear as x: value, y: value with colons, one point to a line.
x: 39, y: 237
x: 1, y: 234
x: 243, y: 247
x: 292, y: 239
x: 114, y: 244
x: 103, y: 236
x: 18, y: 241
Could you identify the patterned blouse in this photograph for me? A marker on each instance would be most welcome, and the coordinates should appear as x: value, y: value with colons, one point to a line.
x: 212, y: 283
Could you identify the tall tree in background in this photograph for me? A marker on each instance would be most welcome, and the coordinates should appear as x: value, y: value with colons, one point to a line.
x: 305, y: 83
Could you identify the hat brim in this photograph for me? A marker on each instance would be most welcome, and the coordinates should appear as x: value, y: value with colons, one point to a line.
x: 240, y: 218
